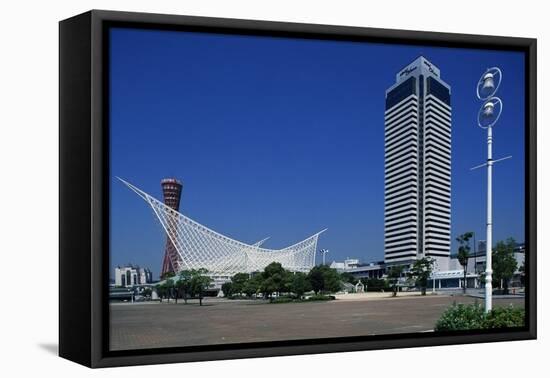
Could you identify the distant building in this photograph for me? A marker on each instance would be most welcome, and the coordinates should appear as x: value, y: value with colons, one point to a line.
x: 417, y: 184
x: 451, y: 277
x: 360, y: 270
x: 347, y: 264
x: 132, y: 275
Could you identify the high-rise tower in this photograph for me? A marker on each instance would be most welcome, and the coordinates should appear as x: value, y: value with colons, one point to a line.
x: 171, y: 190
x: 417, y: 193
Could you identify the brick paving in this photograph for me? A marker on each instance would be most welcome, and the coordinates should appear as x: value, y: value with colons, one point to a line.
x: 220, y: 321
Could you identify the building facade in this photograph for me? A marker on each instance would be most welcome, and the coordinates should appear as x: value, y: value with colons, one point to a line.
x: 132, y: 275
x: 417, y: 171
x: 171, y: 190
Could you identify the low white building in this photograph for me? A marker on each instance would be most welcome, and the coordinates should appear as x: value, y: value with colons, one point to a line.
x: 132, y: 275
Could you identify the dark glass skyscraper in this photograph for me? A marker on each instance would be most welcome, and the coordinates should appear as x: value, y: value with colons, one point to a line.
x: 417, y: 192
x: 171, y: 190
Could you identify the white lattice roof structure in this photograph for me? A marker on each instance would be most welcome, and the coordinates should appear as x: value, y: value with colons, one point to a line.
x: 198, y: 246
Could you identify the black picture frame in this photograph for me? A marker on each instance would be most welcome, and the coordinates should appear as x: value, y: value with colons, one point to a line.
x: 84, y: 188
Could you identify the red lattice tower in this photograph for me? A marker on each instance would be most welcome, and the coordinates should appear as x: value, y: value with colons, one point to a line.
x: 171, y: 190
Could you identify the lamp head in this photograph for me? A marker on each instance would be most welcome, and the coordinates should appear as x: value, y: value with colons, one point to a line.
x: 489, y: 82
x: 489, y: 113
x: 488, y: 109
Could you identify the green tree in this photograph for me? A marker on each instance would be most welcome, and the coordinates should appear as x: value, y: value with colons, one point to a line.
x: 161, y: 291
x: 333, y: 282
x: 394, y: 273
x: 239, y: 280
x: 169, y: 286
x: 273, y: 276
x: 376, y: 284
x: 348, y: 277
x: 199, y: 282
x: 464, y: 252
x: 228, y: 289
x: 504, y: 263
x: 421, y: 272
x: 252, y: 286
x: 316, y: 279
x: 184, y: 284
x: 324, y: 279
x: 167, y: 275
x: 300, y: 284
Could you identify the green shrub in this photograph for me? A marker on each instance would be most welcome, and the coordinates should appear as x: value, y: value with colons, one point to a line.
x: 467, y: 317
x: 461, y: 317
x: 281, y: 300
x: 321, y: 297
x: 505, y: 317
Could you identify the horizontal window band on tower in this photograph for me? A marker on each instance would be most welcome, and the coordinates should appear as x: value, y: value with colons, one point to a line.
x: 402, y: 91
x: 412, y: 100
x: 406, y: 157
x: 393, y: 123
x: 397, y: 174
x: 433, y: 178
x: 390, y: 160
x: 410, y: 161
x: 437, y: 164
x: 437, y: 115
x: 400, y: 190
x: 400, y: 230
x: 400, y: 214
x: 402, y: 199
x: 406, y: 215
x: 438, y: 144
x: 436, y: 103
x: 405, y: 252
x: 390, y: 225
x: 403, y: 143
x: 396, y: 123
x: 445, y: 202
x: 400, y: 227
x: 436, y: 173
x: 393, y: 241
x: 403, y: 247
x: 435, y: 88
x: 436, y: 153
x: 405, y: 110
x: 432, y: 130
x: 405, y: 136
x: 429, y: 254
x: 406, y: 131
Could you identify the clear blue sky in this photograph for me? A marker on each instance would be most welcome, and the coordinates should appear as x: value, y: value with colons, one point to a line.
x: 284, y: 137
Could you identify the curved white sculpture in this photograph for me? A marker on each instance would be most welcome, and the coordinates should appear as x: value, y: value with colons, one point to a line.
x: 198, y: 246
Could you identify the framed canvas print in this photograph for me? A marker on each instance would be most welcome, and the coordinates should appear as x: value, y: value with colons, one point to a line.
x: 233, y: 188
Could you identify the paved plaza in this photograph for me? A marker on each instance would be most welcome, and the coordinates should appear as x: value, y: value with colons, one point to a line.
x: 220, y: 321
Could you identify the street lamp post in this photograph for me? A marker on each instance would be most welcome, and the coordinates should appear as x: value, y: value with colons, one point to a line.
x: 487, y: 117
x: 323, y: 252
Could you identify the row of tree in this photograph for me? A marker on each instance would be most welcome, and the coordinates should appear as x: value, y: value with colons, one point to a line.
x: 190, y: 284
x: 276, y: 280
x: 504, y: 264
x: 419, y: 274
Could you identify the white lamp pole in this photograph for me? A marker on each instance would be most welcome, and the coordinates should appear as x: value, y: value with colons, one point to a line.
x: 323, y: 252
x: 489, y: 245
x: 487, y: 117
